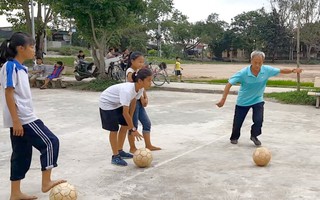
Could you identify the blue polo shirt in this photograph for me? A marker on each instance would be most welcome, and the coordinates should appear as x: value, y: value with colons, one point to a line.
x: 252, y: 87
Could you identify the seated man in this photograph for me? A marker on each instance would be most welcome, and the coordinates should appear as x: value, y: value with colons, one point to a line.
x: 37, y: 71
x: 80, y: 57
x: 58, y: 68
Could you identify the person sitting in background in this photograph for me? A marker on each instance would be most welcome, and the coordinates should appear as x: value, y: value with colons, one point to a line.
x: 125, y: 58
x: 111, y: 53
x: 80, y: 56
x: 58, y: 68
x: 37, y: 71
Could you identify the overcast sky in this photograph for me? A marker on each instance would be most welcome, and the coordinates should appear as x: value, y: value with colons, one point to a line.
x: 198, y: 10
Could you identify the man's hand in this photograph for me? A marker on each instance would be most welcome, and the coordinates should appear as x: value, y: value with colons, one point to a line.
x: 221, y: 102
x: 137, y: 135
x: 297, y: 70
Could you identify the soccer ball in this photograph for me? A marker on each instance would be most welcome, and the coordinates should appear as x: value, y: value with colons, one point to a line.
x: 261, y: 156
x: 63, y: 191
x: 142, y: 157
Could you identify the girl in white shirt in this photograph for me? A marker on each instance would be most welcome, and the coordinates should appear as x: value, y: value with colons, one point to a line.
x: 117, y: 104
x: 136, y: 62
x: 26, y: 130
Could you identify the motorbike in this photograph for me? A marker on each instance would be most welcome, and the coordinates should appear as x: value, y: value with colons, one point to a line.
x: 113, y: 68
x: 85, y: 69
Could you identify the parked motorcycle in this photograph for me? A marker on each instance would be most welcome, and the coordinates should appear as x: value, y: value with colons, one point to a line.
x: 114, y: 70
x: 85, y: 69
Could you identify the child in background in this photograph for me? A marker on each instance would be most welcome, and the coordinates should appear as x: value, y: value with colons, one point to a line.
x: 58, y: 68
x: 37, y: 71
x: 178, y: 69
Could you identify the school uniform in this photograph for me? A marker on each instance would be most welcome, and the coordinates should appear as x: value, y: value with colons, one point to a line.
x: 140, y: 113
x: 36, y: 134
x: 112, y: 101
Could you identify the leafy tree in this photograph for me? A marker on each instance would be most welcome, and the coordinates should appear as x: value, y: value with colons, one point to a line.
x: 134, y: 37
x: 309, y: 13
x: 214, y: 33
x: 181, y: 31
x: 21, y: 20
x: 310, y: 33
x: 248, y: 26
x: 101, y: 22
x: 275, y: 35
x: 157, y: 15
x: 288, y: 10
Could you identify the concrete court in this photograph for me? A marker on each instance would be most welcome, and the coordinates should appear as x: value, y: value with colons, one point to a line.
x: 197, y: 160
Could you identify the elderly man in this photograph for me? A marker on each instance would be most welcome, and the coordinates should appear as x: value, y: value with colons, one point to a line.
x: 253, y: 81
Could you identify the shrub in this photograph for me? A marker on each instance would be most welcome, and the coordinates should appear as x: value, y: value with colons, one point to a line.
x: 97, y: 85
x: 152, y: 52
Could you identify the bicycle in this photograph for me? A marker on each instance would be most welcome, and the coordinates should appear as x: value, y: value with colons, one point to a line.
x: 116, y: 73
x: 160, y: 74
x: 114, y: 70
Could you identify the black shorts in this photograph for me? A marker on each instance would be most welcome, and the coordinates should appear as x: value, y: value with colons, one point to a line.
x: 178, y: 72
x: 111, y: 119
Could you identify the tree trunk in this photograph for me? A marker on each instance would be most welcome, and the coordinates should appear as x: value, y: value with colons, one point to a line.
x: 25, y: 7
x: 273, y: 56
x: 309, y: 47
x: 102, y: 66
x: 39, y: 43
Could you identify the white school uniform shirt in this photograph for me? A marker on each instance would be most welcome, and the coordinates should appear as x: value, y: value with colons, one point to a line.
x: 118, y: 95
x: 15, y: 75
x: 130, y: 70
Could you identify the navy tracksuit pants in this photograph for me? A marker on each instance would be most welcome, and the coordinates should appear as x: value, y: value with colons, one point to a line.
x: 37, y: 135
x: 241, y: 113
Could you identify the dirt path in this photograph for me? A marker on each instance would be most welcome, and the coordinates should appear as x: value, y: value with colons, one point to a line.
x: 223, y: 71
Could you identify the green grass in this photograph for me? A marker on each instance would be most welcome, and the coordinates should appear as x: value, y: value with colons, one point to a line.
x: 67, y: 61
x: 183, y: 61
x: 70, y: 50
x: 96, y: 85
x: 288, y: 83
x: 270, y: 83
x: 295, y: 97
x: 300, y: 98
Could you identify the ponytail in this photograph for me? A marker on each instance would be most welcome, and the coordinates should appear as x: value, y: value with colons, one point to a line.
x: 3, y: 49
x: 141, y: 74
x: 8, y: 48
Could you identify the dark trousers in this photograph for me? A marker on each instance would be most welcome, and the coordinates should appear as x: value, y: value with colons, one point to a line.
x: 37, y: 135
x: 241, y: 113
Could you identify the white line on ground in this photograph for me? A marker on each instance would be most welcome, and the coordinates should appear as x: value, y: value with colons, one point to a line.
x: 169, y: 160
